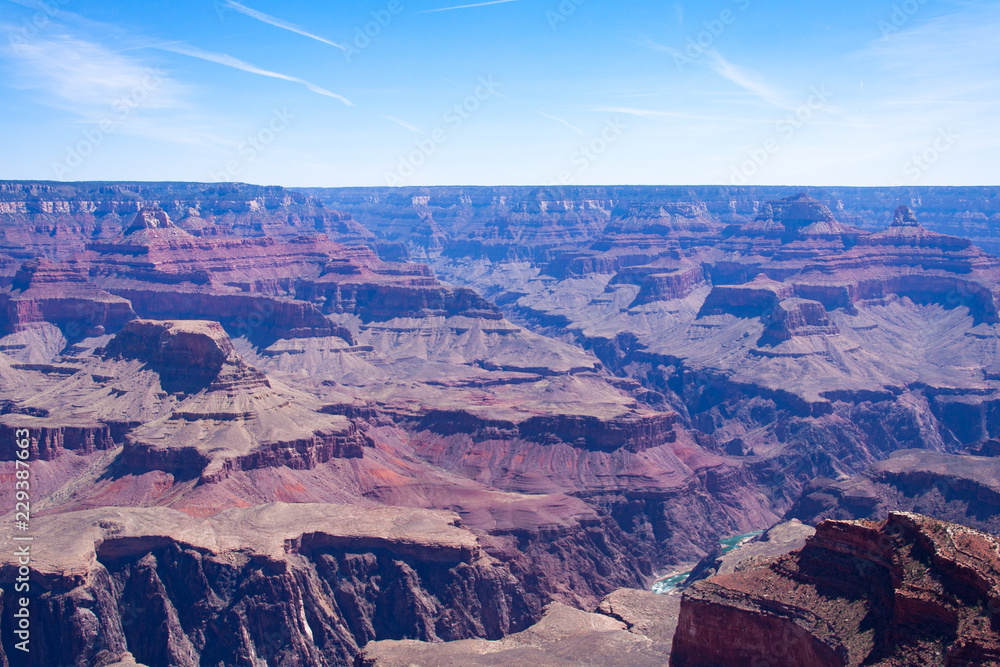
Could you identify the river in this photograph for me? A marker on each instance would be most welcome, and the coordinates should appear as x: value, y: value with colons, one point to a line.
x: 670, y: 582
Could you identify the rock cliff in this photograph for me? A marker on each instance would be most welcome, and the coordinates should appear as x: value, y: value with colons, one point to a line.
x: 611, y: 380
x: 902, y: 591
x: 290, y: 584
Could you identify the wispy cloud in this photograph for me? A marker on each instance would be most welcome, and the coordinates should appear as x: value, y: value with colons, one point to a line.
x: 84, y: 77
x: 95, y: 85
x: 235, y: 63
x: 402, y: 123
x: 652, y: 113
x: 478, y: 4
x: 560, y: 120
x: 130, y: 38
x: 278, y: 23
x: 713, y: 60
x: 954, y: 50
x: 746, y: 80
x: 655, y: 46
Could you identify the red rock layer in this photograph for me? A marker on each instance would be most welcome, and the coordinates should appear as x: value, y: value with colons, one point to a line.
x: 676, y: 284
x: 47, y: 441
x: 262, y: 286
x: 907, y: 590
x: 188, y: 356
x: 300, y: 454
x: 43, y: 291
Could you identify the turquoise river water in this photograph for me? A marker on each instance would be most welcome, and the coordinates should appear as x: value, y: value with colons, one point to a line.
x: 668, y: 584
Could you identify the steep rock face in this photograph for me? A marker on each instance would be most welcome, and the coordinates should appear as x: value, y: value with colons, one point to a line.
x: 756, y: 298
x: 230, y: 417
x: 905, y: 260
x: 43, y: 291
x: 671, y: 498
x: 49, y: 438
x: 776, y: 541
x: 908, y: 588
x: 666, y: 286
x: 295, y: 585
x: 34, y: 211
x: 688, y: 221
x: 415, y: 370
x: 959, y: 488
x: 461, y: 211
x: 57, y: 219
x: 782, y: 226
x: 634, y: 433
x: 188, y: 355
x: 266, y: 288
x: 182, y: 456
x: 778, y: 357
x: 798, y: 317
x: 385, y: 302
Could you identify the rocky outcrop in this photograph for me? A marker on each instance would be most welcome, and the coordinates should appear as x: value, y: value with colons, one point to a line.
x: 797, y: 317
x: 576, y: 265
x: 967, y: 418
x: 905, y: 589
x: 374, y: 302
x: 288, y: 584
x: 776, y: 541
x: 188, y: 355
x: 779, y: 359
x: 756, y: 298
x: 780, y: 342
x: 301, y: 454
x: 49, y: 438
x: 676, y: 284
x: 959, y: 488
x: 58, y: 219
x: 633, y: 433
x: 228, y: 417
x: 687, y: 221
x: 266, y: 289
x: 564, y: 636
x: 43, y: 291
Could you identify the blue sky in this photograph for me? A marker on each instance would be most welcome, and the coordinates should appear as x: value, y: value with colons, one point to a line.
x: 439, y: 92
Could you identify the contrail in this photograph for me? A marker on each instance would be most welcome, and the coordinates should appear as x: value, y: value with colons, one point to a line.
x: 229, y: 61
x: 278, y: 23
x: 478, y: 4
x: 560, y: 120
x: 402, y: 123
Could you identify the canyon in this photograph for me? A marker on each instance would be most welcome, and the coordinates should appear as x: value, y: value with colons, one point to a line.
x: 314, y: 427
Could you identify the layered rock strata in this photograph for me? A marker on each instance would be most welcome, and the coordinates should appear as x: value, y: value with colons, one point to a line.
x: 291, y: 584
x: 908, y: 589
